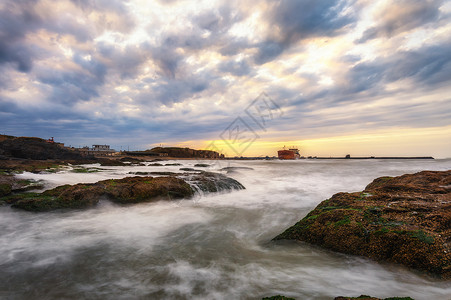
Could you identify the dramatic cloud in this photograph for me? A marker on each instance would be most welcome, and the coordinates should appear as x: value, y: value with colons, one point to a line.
x: 401, y: 16
x: 291, y: 21
x: 142, y: 72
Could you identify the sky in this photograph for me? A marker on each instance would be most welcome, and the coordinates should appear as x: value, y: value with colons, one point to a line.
x: 359, y: 77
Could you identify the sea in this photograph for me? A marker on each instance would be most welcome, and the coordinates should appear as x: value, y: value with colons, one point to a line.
x: 213, y: 246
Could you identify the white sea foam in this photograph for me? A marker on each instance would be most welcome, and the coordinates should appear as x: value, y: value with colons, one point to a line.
x: 211, y: 247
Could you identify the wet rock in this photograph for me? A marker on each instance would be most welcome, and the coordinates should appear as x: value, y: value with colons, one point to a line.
x: 140, y: 173
x: 5, y: 189
x: 201, y: 165
x: 126, y: 190
x: 15, y: 166
x: 189, y: 169
x: 405, y: 220
x: 10, y: 184
x: 173, y: 164
x: 235, y: 168
x: 155, y: 165
x: 143, y: 189
x: 162, y: 173
x: 208, y: 182
x: 157, y: 159
x: 86, y: 170
x: 66, y: 196
x: 130, y: 159
x: 110, y: 162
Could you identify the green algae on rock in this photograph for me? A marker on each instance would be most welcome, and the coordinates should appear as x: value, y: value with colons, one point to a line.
x: 141, y: 189
x: 10, y: 184
x: 405, y: 220
x: 126, y: 190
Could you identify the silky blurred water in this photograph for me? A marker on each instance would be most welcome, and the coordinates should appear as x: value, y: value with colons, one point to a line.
x: 215, y: 246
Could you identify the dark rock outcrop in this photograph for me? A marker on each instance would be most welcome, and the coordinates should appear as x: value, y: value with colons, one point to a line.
x: 131, y: 159
x: 10, y: 184
x: 66, y: 196
x: 35, y: 148
x: 124, y: 191
x: 142, y: 189
x: 185, y: 152
x: 189, y: 170
x: 201, y: 165
x: 235, y: 168
x: 208, y: 182
x: 405, y: 220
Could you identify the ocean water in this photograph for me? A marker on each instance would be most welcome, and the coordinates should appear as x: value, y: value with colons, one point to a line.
x: 215, y: 246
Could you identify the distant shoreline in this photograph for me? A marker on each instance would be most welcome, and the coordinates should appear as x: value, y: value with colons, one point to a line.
x: 375, y: 157
x: 314, y: 157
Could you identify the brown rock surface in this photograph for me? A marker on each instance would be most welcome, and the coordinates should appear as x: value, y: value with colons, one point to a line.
x: 139, y: 189
x: 125, y: 190
x: 405, y: 220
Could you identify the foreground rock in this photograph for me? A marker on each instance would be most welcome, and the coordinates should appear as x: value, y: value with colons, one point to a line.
x: 10, y: 184
x: 124, y: 191
x: 405, y: 220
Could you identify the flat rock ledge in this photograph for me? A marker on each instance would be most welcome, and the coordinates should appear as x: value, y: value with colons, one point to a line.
x: 404, y: 220
x: 125, y: 191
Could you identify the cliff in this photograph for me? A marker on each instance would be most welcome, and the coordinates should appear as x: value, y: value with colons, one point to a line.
x: 186, y: 152
x: 34, y: 148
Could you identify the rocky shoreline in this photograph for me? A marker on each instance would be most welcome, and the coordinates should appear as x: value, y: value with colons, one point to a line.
x: 404, y: 220
x: 127, y: 190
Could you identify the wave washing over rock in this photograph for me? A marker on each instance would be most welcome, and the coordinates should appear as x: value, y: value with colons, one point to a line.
x: 127, y: 190
x: 405, y: 219
x: 214, y: 246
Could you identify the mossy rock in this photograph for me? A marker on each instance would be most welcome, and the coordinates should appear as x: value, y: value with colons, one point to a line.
x: 5, y: 189
x: 403, y: 220
x: 126, y: 190
x: 201, y: 165
x: 143, y: 189
x: 67, y: 196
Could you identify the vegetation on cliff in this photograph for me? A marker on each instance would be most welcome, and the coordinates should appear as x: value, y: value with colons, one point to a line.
x: 405, y: 220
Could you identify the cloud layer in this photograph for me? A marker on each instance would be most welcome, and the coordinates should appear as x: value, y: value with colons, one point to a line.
x: 139, y: 73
